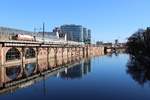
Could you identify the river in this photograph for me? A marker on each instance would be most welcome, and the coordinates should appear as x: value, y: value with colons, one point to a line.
x: 108, y: 77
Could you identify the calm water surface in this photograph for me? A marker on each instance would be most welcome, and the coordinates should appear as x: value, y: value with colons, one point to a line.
x: 100, y: 78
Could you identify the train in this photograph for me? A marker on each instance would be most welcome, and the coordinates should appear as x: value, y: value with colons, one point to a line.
x: 22, y: 37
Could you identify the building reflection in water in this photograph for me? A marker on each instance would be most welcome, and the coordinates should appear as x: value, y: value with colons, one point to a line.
x: 77, y: 71
x: 19, y: 75
x: 139, y: 70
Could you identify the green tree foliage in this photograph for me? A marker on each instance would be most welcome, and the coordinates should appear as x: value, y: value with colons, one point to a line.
x: 138, y: 46
x: 139, y: 43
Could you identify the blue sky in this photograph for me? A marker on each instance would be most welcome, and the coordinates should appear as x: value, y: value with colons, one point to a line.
x: 108, y: 19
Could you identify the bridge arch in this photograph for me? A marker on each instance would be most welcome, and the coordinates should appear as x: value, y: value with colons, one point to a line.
x: 13, y: 54
x: 105, y: 49
x: 13, y: 72
x: 30, y: 53
x: 30, y: 68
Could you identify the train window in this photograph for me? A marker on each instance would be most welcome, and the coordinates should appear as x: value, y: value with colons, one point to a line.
x: 30, y: 53
x: 12, y: 54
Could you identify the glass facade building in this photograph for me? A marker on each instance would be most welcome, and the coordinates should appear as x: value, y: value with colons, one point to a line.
x: 89, y: 37
x: 77, y: 33
x: 74, y: 32
x: 85, y: 34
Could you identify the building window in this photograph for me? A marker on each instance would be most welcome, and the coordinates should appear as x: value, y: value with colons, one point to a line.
x: 12, y: 54
x: 30, y: 53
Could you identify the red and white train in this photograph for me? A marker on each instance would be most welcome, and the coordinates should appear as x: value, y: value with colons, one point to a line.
x: 21, y: 37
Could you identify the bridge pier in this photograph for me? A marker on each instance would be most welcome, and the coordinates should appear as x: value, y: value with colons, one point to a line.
x: 67, y: 54
x: 48, y: 53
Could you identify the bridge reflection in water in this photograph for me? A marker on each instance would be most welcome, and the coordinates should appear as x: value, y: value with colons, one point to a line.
x: 13, y: 72
x: 23, y: 75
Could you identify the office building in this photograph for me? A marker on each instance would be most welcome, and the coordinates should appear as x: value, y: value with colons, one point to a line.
x: 77, y: 33
x: 74, y: 32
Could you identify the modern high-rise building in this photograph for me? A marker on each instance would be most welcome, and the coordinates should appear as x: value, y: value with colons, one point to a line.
x: 85, y: 34
x: 89, y: 37
x: 74, y: 32
x: 77, y: 33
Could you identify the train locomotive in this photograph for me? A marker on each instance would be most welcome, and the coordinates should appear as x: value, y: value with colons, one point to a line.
x: 21, y: 37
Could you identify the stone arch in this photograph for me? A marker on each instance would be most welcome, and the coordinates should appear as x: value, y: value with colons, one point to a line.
x: 42, y: 65
x: 105, y: 50
x: 13, y: 54
x: 30, y: 53
x: 52, y: 53
x: 42, y: 53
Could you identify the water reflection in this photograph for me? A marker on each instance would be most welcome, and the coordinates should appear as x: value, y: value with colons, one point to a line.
x: 13, y: 72
x: 28, y: 73
x: 30, y: 68
x: 116, y: 52
x: 139, y: 70
x: 107, y: 74
x: 78, y: 71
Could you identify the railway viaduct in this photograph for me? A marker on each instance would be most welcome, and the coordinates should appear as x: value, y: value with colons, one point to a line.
x: 12, y: 52
x: 21, y: 54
